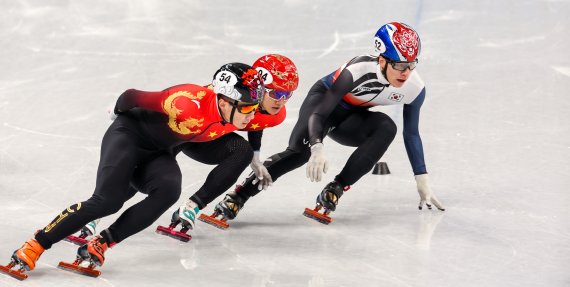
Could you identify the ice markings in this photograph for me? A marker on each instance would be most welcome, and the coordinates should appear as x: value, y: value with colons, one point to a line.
x: 562, y: 70
x: 332, y: 47
x: 510, y: 42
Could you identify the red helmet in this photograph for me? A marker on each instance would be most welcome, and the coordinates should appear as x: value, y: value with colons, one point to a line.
x: 277, y: 72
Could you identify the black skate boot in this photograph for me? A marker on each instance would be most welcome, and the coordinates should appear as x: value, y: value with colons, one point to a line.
x: 328, y: 200
x: 227, y: 209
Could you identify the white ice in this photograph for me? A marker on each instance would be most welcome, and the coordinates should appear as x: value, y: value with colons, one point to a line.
x: 494, y: 127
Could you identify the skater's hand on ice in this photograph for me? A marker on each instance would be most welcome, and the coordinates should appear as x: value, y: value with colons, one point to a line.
x: 261, y: 173
x: 426, y: 194
x: 317, y: 164
x: 111, y: 112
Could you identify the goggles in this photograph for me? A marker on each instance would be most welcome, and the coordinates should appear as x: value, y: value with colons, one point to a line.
x: 403, y: 66
x: 277, y: 95
x: 244, y: 109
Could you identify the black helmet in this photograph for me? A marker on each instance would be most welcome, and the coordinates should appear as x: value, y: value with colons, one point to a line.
x: 240, y: 82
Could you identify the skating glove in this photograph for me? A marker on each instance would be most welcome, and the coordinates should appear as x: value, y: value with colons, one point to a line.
x: 261, y: 173
x: 111, y: 112
x: 426, y: 195
x: 317, y: 164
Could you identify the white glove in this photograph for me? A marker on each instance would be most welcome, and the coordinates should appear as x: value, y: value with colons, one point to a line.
x: 261, y: 173
x: 111, y: 112
x: 317, y: 163
x: 187, y: 213
x: 426, y: 195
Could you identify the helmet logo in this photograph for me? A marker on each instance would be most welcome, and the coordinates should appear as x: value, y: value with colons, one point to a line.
x: 407, y: 42
x: 251, y: 79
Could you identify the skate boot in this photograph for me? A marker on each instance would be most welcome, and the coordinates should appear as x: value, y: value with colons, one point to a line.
x: 93, y: 253
x: 25, y: 258
x: 327, y: 200
x: 227, y: 209
x: 185, y: 216
x: 87, y: 230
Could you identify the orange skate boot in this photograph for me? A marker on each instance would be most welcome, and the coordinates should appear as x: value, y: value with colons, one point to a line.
x: 93, y: 253
x: 25, y: 258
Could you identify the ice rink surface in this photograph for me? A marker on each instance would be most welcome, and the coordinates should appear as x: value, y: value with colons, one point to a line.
x: 495, y: 129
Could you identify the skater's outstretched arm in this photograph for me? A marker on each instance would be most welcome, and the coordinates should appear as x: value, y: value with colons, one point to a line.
x: 318, y: 164
x: 414, y: 148
x: 332, y: 97
x: 175, y: 101
x: 412, y: 139
x: 132, y: 98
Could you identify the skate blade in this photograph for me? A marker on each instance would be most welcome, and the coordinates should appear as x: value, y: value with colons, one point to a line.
x: 221, y: 224
x: 76, y: 240
x: 74, y: 267
x: 320, y: 217
x: 18, y: 274
x: 170, y: 232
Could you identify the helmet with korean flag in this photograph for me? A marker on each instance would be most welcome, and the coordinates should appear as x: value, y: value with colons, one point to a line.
x: 398, y: 42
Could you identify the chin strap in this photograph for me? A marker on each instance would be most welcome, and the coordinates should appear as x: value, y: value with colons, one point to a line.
x: 234, y: 108
x: 231, y: 119
x: 383, y: 70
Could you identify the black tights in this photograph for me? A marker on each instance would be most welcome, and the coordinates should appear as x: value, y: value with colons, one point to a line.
x: 123, y: 150
x: 370, y: 132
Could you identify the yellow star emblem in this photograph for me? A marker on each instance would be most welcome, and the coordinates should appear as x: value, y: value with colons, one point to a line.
x: 254, y: 126
x: 213, y: 134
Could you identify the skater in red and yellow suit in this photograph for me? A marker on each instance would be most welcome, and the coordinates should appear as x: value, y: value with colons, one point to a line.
x: 280, y: 78
x: 138, y: 147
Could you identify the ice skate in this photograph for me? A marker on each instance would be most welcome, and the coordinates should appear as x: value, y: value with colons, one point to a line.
x: 184, y: 216
x: 170, y: 231
x: 89, y: 256
x: 25, y: 258
x: 326, y: 200
x: 87, y: 230
x: 227, y: 209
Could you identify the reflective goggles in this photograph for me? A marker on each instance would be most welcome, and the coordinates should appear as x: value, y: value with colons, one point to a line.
x: 244, y: 109
x: 402, y: 66
x: 277, y: 95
